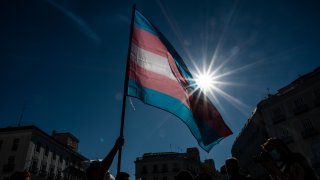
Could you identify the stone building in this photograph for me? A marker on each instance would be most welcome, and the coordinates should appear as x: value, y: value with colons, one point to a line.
x: 292, y: 115
x: 28, y: 148
x: 166, y: 165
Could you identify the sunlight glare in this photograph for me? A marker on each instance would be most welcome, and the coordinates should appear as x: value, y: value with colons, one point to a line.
x: 205, y: 81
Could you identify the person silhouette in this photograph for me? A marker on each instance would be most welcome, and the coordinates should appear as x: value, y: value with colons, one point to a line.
x: 122, y: 176
x: 183, y: 175
x: 98, y: 169
x: 283, y: 164
x: 233, y: 170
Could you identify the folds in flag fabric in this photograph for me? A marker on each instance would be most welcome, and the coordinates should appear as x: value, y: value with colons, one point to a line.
x: 158, y: 76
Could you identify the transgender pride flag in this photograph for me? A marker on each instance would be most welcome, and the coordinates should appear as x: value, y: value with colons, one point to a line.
x: 158, y: 77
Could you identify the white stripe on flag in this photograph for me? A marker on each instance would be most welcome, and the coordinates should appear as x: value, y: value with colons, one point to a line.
x: 151, y: 61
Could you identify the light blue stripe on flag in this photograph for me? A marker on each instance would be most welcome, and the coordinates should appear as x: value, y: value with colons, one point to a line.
x: 174, y: 106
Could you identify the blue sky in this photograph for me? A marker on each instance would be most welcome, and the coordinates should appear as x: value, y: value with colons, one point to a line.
x: 66, y: 60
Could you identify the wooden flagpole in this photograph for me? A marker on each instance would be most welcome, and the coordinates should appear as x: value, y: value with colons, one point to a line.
x: 125, y: 87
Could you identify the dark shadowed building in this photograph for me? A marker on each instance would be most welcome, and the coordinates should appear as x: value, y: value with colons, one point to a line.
x: 28, y: 148
x: 292, y: 115
x: 166, y: 165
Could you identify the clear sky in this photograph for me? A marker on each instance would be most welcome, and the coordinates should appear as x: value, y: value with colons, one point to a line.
x: 66, y: 60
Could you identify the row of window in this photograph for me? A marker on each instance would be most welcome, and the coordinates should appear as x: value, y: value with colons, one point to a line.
x: 300, y: 106
x: 54, y: 155
x: 9, y: 167
x: 164, y: 168
x: 43, y: 170
x: 308, y: 130
x: 14, y: 146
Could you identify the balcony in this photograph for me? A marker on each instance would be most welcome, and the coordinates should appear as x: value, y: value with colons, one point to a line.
x: 278, y: 118
x: 300, y: 109
x: 8, y: 168
x: 309, y: 133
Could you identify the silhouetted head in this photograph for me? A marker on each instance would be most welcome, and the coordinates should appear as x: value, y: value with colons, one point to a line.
x: 183, y: 175
x: 21, y: 176
x: 203, y: 176
x: 276, y: 148
x: 223, y: 170
x: 232, y: 165
x: 122, y: 176
x: 109, y: 176
x: 93, y: 169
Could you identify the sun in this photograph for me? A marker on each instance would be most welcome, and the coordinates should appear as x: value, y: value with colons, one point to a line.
x: 205, y: 81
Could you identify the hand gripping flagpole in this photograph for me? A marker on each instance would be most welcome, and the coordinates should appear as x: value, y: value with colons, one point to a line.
x: 125, y: 87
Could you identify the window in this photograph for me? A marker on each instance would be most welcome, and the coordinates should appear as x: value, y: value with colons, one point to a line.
x: 59, y: 173
x: 34, y: 166
x: 38, y: 146
x: 46, y: 153
x: 175, y: 167
x: 51, y: 172
x: 284, y: 132
x: 317, y: 92
x: 298, y: 102
x: 278, y: 115
x: 61, y: 159
x: 9, y: 167
x: 299, y: 106
x: 144, y: 170
x: 276, y: 112
x: 1, y: 142
x: 155, y: 168
x: 43, y: 170
x: 44, y: 167
x: 67, y: 161
x: 308, y: 129
x: 11, y: 160
x: 15, y: 144
x: 164, y: 168
x: 285, y: 135
x: 307, y: 125
x: 54, y: 155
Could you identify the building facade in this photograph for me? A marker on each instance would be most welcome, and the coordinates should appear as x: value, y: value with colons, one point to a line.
x: 30, y: 149
x: 292, y: 115
x: 166, y: 165
x: 247, y: 145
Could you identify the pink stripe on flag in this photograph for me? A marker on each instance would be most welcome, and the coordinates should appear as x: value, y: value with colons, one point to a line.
x: 152, y: 43
x: 157, y: 82
x: 149, y: 42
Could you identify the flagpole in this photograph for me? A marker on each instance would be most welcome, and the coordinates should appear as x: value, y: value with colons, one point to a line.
x: 125, y: 87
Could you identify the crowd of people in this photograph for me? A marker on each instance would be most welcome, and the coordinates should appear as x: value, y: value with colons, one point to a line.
x: 279, y: 162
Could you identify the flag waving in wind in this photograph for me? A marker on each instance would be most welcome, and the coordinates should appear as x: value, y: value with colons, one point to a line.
x: 158, y: 76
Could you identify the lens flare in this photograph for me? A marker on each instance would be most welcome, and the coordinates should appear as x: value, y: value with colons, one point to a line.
x: 205, y: 82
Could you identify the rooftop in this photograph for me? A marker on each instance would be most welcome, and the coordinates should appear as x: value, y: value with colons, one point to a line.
x: 36, y: 129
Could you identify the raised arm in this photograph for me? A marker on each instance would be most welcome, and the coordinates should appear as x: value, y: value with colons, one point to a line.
x: 107, y: 161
